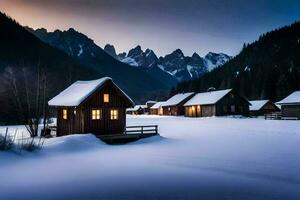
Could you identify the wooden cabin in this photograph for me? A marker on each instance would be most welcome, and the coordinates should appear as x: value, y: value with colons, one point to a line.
x: 262, y: 107
x: 217, y: 103
x: 174, y: 105
x: 97, y: 107
x: 136, y: 110
x: 149, y: 104
x: 157, y: 109
x: 290, y: 106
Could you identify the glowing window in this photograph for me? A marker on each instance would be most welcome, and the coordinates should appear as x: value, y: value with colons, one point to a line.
x: 96, y: 114
x: 106, y: 98
x: 114, y: 114
x: 65, y: 114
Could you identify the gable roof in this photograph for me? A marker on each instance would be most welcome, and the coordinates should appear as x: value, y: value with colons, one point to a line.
x: 293, y: 98
x: 157, y: 105
x: 176, y: 99
x: 76, y: 93
x: 257, y: 104
x: 207, y: 98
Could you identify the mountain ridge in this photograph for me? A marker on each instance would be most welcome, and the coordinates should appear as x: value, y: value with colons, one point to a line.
x: 85, y: 51
x: 176, y: 64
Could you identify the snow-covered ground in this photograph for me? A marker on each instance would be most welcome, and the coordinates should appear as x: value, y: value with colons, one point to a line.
x: 204, y: 158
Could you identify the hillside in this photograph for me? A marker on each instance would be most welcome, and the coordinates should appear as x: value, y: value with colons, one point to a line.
x: 21, y: 55
x: 269, y: 68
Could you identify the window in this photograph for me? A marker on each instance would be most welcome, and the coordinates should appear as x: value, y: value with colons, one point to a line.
x: 65, y: 114
x: 96, y: 114
x: 198, y: 111
x: 114, y: 114
x: 74, y: 111
x: 160, y: 111
x: 106, y: 98
x: 192, y: 111
x: 232, y: 108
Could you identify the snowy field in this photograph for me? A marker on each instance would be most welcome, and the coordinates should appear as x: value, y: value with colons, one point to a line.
x: 205, y: 158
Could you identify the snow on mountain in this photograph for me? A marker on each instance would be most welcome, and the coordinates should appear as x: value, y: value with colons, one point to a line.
x: 214, y: 60
x: 176, y: 63
x: 130, y: 61
x: 80, y: 50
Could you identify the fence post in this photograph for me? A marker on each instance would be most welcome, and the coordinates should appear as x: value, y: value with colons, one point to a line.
x: 142, y: 130
x: 5, y: 137
x: 156, y: 129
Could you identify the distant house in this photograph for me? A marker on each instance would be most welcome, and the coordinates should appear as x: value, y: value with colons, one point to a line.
x: 290, y: 106
x: 216, y: 103
x: 174, y: 105
x: 136, y: 110
x: 97, y: 107
x: 149, y: 104
x: 157, y: 109
x: 262, y: 107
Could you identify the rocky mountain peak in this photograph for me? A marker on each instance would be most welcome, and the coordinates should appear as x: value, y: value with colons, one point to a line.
x: 175, y: 64
x: 135, y: 51
x: 110, y: 49
x: 196, y: 56
x: 178, y: 53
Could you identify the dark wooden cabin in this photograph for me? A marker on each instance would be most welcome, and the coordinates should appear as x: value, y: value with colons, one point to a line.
x: 174, y: 105
x: 217, y: 103
x: 157, y: 109
x: 290, y: 106
x: 262, y: 107
x: 97, y: 107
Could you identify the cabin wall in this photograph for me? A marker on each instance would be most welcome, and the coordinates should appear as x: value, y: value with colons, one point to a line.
x: 153, y: 112
x: 290, y: 111
x: 200, y: 111
x: 232, y: 104
x: 105, y: 125
x: 171, y: 110
x: 70, y: 125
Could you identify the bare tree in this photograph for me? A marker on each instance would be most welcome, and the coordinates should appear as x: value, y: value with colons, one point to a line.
x: 30, y: 97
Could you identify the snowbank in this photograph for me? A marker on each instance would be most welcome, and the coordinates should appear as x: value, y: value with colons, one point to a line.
x: 195, y: 158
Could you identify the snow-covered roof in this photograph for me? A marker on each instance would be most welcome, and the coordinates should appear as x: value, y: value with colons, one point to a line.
x: 136, y: 108
x: 76, y: 93
x: 151, y: 102
x: 257, y: 104
x: 176, y: 99
x: 207, y: 98
x: 157, y: 105
x: 293, y: 98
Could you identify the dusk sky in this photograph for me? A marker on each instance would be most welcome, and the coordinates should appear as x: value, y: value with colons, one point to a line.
x: 162, y: 25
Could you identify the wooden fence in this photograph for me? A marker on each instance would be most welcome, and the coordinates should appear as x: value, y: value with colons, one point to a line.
x: 150, y: 129
x: 273, y: 116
